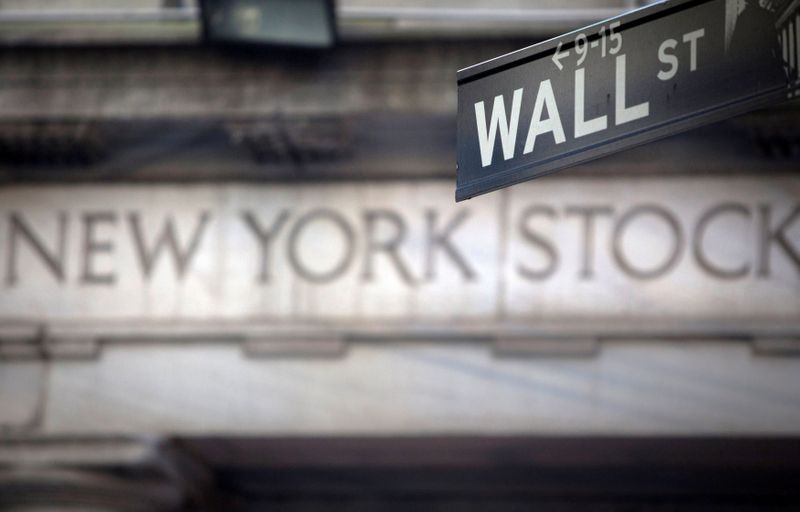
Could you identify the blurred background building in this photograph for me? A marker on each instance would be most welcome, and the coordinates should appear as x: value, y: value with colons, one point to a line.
x: 233, y: 275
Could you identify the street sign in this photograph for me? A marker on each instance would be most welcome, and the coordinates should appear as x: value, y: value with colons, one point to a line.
x: 645, y: 75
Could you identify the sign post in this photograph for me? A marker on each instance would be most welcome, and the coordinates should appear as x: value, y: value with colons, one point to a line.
x: 629, y: 80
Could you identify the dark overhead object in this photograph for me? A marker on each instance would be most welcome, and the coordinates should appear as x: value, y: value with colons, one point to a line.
x: 649, y: 74
x: 298, y: 23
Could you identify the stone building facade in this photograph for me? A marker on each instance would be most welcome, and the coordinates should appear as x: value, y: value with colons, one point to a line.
x: 234, y: 278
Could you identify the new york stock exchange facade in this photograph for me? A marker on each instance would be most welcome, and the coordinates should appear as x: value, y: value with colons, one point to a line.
x: 679, y: 248
x: 227, y: 273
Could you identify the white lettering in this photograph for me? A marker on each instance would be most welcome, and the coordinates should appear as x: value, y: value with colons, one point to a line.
x: 669, y: 59
x: 544, y: 97
x: 692, y: 38
x: 508, y: 129
x: 582, y: 126
x: 627, y: 114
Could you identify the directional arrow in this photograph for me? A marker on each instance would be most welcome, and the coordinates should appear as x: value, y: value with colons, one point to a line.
x: 559, y: 55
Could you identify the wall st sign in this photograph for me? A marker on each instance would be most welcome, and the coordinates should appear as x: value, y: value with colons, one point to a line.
x: 630, y: 80
x: 688, y: 247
